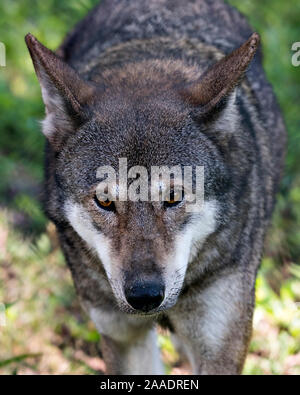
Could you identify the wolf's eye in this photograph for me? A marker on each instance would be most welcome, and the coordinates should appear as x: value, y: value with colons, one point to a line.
x: 175, y: 199
x: 107, y: 204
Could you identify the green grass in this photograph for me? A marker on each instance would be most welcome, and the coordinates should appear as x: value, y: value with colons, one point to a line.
x: 46, y: 330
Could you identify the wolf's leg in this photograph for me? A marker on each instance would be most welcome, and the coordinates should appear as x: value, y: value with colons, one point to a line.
x: 215, y: 324
x: 139, y: 357
x: 129, y: 344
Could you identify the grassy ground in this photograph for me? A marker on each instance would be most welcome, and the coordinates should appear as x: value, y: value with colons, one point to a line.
x: 45, y: 331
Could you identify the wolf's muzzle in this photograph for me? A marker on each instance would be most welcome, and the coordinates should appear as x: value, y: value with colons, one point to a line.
x: 145, y: 296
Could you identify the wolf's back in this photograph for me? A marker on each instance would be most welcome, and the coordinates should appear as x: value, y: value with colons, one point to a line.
x: 113, y: 22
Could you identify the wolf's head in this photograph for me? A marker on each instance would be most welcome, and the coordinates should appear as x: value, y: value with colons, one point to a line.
x: 151, y: 113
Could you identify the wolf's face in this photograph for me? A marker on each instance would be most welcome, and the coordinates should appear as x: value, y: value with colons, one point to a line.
x: 145, y: 246
x: 151, y: 114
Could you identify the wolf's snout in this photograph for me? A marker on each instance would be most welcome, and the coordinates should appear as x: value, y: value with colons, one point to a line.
x: 145, y: 296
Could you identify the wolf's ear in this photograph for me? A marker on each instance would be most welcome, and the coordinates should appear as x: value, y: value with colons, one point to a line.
x: 219, y: 81
x: 64, y: 93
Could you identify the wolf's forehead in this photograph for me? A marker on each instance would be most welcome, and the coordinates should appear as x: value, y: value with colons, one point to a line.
x: 145, y: 112
x: 141, y: 140
x: 144, y: 136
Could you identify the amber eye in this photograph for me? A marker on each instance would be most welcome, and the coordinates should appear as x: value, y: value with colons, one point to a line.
x: 175, y: 199
x: 107, y: 204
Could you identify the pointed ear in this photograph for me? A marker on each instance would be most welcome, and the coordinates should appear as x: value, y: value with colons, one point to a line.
x: 64, y: 93
x: 220, y: 80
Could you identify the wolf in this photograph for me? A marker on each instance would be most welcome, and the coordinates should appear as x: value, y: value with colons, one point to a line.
x: 162, y: 83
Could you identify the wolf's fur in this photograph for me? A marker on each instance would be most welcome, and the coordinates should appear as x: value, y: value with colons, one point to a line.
x: 149, y: 82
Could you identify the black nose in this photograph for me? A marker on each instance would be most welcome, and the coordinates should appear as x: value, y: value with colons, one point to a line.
x: 145, y: 296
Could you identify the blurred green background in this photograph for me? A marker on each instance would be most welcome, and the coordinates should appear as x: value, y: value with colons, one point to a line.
x: 46, y: 332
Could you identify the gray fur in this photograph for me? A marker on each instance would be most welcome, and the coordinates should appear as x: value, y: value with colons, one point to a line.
x: 137, y: 55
